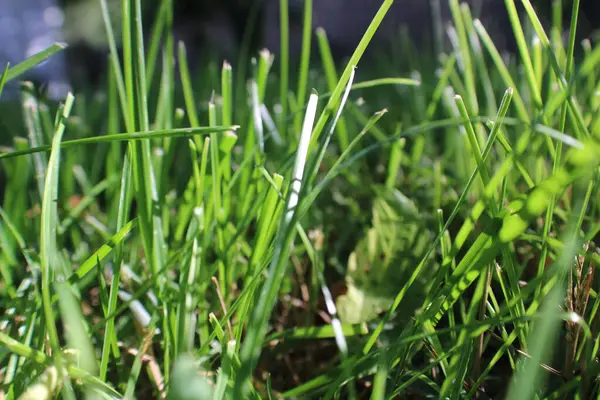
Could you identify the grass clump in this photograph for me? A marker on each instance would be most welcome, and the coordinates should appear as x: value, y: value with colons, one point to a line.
x: 418, y: 238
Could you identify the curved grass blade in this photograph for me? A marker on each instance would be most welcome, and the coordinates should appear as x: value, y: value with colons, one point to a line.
x: 33, y: 61
x: 251, y: 347
x: 354, y: 60
x: 3, y: 78
x: 50, y: 259
x: 120, y: 137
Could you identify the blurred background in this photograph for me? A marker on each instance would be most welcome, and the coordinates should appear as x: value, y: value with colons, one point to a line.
x: 216, y: 29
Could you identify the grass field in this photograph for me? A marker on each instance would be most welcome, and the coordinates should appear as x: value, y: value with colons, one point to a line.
x: 276, y: 229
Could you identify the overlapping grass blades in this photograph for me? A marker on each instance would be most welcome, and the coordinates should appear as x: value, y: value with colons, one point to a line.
x: 200, y: 251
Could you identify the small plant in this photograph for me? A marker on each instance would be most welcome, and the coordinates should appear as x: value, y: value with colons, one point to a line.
x: 253, y: 231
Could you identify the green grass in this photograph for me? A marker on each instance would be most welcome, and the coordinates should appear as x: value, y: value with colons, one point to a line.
x: 330, y: 234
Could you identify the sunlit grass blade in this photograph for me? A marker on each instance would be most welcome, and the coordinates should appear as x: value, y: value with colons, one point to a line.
x: 284, y: 66
x: 304, y: 60
x: 257, y: 327
x: 88, y: 265
x: 121, y: 137
x: 465, y: 60
x: 329, y: 70
x: 51, y: 262
x: 323, y: 148
x: 3, y: 78
x: 33, y: 61
x: 35, y: 134
x: 352, y: 63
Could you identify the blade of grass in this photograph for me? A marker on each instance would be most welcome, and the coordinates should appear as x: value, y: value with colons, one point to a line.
x: 33, y: 61
x: 3, y: 78
x: 258, y: 324
x: 155, y: 134
x: 331, y: 105
x: 284, y: 67
x: 304, y: 61
x: 50, y: 259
